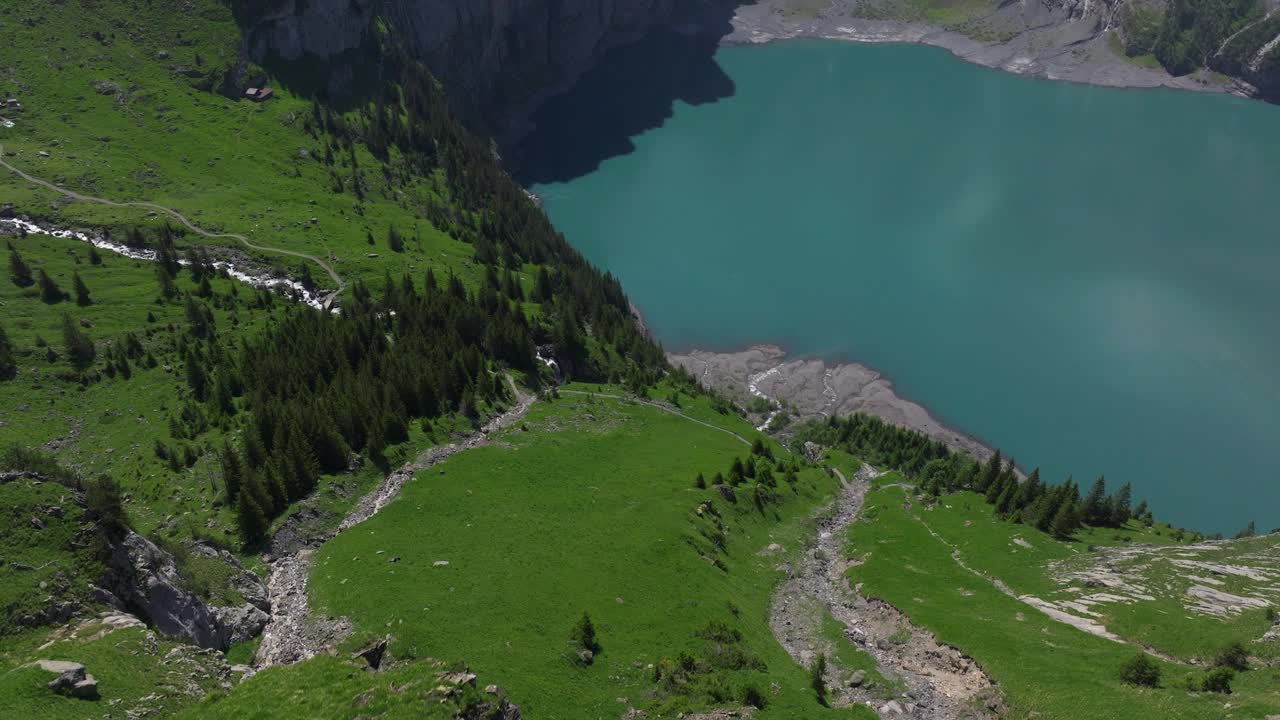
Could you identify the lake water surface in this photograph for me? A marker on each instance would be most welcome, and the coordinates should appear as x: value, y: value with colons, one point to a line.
x: 1083, y: 277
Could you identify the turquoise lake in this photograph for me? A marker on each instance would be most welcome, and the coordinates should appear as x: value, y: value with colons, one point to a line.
x: 1084, y: 277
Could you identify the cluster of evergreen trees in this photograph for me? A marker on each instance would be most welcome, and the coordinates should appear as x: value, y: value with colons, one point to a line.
x: 1188, y: 32
x: 20, y: 274
x: 316, y: 389
x: 1056, y: 509
x: 760, y: 472
x: 322, y: 387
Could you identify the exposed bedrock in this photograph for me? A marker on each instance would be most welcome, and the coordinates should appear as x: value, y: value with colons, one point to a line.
x: 494, y: 57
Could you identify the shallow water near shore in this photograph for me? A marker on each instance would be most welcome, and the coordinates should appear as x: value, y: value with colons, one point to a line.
x: 1081, y: 276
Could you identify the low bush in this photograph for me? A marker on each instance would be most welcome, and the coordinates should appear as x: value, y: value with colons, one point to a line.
x: 1218, y: 680
x: 1233, y: 656
x: 1140, y: 671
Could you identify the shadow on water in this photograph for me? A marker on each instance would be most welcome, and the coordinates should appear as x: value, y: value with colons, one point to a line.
x: 632, y: 90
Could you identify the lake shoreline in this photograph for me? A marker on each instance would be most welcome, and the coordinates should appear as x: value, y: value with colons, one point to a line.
x: 1064, y: 50
x: 814, y: 387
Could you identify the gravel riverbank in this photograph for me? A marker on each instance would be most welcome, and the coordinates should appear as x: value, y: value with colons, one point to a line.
x: 812, y: 388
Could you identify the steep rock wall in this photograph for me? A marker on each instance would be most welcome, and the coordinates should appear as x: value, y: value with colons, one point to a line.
x: 493, y: 55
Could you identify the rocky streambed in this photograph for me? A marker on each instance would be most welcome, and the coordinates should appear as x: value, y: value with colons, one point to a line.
x: 930, y: 681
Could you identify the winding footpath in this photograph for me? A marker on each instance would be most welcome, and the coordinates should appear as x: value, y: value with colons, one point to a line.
x: 179, y: 217
x: 664, y: 408
x: 292, y: 634
x: 934, y: 681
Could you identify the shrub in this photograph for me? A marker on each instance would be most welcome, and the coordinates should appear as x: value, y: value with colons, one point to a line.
x: 1140, y: 671
x: 752, y: 696
x: 1218, y: 680
x: 584, y: 634
x: 104, y: 505
x: 818, y: 679
x: 1233, y: 656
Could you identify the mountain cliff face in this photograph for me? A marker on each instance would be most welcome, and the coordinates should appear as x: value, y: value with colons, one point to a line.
x: 497, y: 57
x: 493, y: 56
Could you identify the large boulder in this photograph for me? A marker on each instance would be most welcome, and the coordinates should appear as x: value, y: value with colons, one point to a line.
x: 71, y: 679
x: 239, y: 624
x: 144, y: 578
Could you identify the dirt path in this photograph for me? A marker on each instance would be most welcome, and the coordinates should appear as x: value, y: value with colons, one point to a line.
x: 177, y: 216
x: 938, y: 682
x: 665, y: 408
x: 293, y: 634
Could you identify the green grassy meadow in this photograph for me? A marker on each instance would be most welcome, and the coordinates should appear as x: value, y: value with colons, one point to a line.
x: 1046, y: 669
x: 117, y: 105
x: 135, y: 670
x: 592, y: 509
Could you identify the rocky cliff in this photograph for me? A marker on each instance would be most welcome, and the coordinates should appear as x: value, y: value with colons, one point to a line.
x: 494, y: 56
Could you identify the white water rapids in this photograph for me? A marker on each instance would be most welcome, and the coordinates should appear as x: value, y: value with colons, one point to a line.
x: 291, y: 288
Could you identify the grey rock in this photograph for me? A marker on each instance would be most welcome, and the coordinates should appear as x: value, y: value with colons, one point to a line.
x: 857, y: 678
x: 727, y: 493
x: 492, y: 55
x: 59, y: 666
x: 105, y: 87
x: 145, y: 577
x: 238, y: 624
x: 373, y: 654
x: 72, y: 679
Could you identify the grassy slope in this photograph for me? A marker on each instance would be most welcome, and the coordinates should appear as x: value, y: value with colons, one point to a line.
x: 987, y: 545
x: 130, y: 665
x: 226, y: 164
x: 1047, y: 669
x: 589, y: 510
x: 112, y: 425
x: 329, y: 689
x: 46, y: 547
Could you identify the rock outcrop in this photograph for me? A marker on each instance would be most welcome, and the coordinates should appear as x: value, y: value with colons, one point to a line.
x: 144, y: 578
x: 492, y: 56
x: 71, y: 680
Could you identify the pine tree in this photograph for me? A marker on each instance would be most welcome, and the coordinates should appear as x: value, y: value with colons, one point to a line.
x: 19, y: 271
x: 1066, y: 520
x: 818, y: 678
x: 542, y: 289
x: 94, y: 257
x: 232, y: 469
x: 990, y: 473
x: 1120, y: 505
x: 997, y: 488
x: 78, y: 345
x: 8, y: 366
x: 49, y: 290
x: 394, y: 240
x: 167, y: 287
x: 1028, y: 492
x: 1096, y: 510
x: 81, y: 290
x: 251, y: 519
x: 584, y: 634
x: 1004, y: 503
